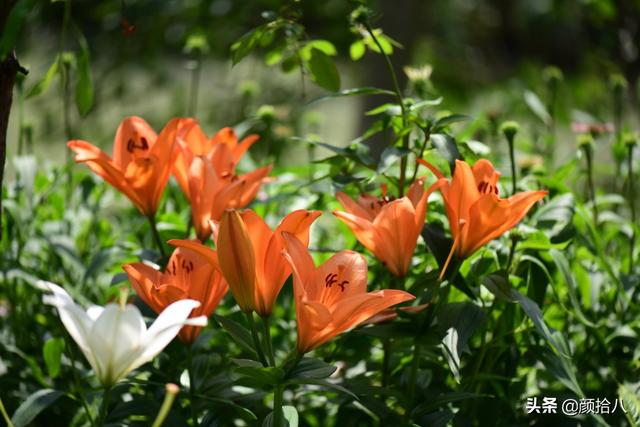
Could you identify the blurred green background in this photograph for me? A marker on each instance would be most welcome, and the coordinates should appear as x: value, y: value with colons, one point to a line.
x: 160, y: 59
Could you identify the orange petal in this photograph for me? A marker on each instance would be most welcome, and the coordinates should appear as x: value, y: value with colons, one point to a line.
x: 275, y: 268
x: 341, y: 276
x: 237, y: 259
x: 101, y: 164
x: 355, y: 208
x: 134, y: 138
x: 483, y: 171
x: 491, y: 217
x: 143, y: 279
x: 209, y: 254
x: 301, y: 263
x: 244, y: 145
x: 312, y: 318
x: 254, y: 181
x: 396, y: 226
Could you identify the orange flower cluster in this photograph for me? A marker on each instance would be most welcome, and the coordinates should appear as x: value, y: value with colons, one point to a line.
x: 205, y: 168
x: 255, y: 261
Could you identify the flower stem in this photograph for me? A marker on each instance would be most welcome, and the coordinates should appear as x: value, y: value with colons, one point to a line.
x: 386, y: 358
x: 169, y: 397
x: 267, y: 339
x: 632, y: 206
x: 512, y: 157
x: 413, y: 373
x: 156, y: 235
x: 5, y: 415
x: 403, y: 109
x: 194, y: 415
x: 104, y: 406
x: 592, y: 187
x: 256, y: 338
x: 278, y: 416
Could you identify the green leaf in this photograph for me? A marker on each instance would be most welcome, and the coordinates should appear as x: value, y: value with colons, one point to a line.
x: 442, y: 400
x: 538, y: 108
x: 631, y: 404
x: 84, y: 86
x: 312, y: 368
x: 459, y: 320
x: 52, y: 354
x: 13, y: 25
x: 245, y: 44
x: 260, y: 376
x: 323, y: 45
x: 323, y: 70
x: 446, y: 146
x: 447, y: 120
x: 322, y: 383
x: 389, y: 156
x: 498, y: 285
x: 357, y: 50
x: 36, y: 403
x: 46, y: 81
x: 290, y: 415
x: 563, y: 266
x: 355, y: 92
x: 238, y: 332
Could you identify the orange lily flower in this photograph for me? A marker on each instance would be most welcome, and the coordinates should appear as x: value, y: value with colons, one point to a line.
x: 188, y: 275
x: 249, y: 255
x: 211, y: 193
x: 476, y: 213
x: 141, y: 161
x: 223, y: 149
x: 389, y: 227
x: 333, y: 297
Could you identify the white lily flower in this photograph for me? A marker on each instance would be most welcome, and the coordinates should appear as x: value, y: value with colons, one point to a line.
x: 114, y: 338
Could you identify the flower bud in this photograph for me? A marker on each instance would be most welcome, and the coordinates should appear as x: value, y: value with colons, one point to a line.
x: 509, y: 129
x: 237, y: 259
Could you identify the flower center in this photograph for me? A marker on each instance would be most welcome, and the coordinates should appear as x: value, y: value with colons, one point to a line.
x: 132, y: 146
x: 485, y: 188
x: 185, y: 265
x: 332, y: 279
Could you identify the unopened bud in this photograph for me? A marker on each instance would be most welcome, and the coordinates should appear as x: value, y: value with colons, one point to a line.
x: 509, y: 129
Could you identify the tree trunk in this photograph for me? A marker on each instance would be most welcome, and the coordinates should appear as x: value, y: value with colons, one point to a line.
x: 9, y: 68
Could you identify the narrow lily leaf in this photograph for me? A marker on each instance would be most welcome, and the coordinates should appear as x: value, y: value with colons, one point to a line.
x: 355, y: 92
x: 238, y: 332
x: 46, y: 81
x: 84, y: 85
x: 312, y: 368
x: 538, y: 108
x: 34, y: 405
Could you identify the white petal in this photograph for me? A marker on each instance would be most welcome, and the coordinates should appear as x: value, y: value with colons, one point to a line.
x: 166, y: 327
x: 74, y: 319
x: 116, y: 339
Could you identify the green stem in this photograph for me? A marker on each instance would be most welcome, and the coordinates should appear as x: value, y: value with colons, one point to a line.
x: 386, y: 359
x: 512, y: 157
x: 256, y: 339
x: 76, y: 379
x: 278, y: 416
x: 169, y: 397
x: 194, y: 415
x: 104, y: 406
x: 403, y: 109
x: 156, y: 235
x: 267, y: 339
x: 413, y: 373
x: 588, y: 150
x: 632, y: 206
x: 195, y: 86
x: 5, y: 415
